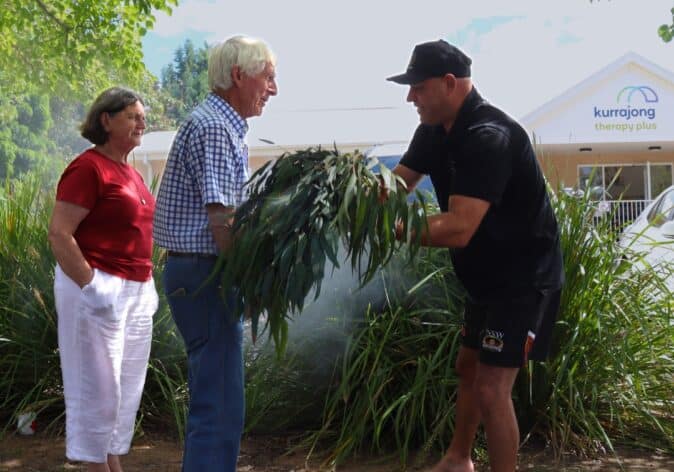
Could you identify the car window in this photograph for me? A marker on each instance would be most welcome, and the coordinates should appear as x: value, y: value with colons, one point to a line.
x: 663, y: 211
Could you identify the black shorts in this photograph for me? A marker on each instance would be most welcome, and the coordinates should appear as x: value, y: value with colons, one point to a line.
x: 508, y: 332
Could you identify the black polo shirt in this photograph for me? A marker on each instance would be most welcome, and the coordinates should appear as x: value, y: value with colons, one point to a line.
x: 488, y: 155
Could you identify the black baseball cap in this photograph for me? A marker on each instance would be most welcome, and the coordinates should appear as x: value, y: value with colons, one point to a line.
x: 434, y: 59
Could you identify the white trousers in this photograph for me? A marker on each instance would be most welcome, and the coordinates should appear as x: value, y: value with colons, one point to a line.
x: 104, y: 337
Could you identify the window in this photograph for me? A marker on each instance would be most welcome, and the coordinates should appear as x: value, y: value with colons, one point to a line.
x: 625, y: 181
x: 592, y: 177
x: 661, y: 178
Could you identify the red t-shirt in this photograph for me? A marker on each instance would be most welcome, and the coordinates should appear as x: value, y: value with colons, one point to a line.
x: 116, y: 235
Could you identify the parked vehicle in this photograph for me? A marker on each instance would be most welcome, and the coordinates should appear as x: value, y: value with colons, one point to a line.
x: 651, y: 235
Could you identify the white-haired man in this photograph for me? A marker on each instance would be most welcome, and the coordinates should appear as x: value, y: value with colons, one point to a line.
x: 202, y: 185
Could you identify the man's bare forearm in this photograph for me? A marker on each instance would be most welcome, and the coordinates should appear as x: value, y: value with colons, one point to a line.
x: 220, y: 221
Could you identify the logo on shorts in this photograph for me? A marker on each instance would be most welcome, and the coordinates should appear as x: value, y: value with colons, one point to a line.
x: 492, y: 341
x: 528, y: 345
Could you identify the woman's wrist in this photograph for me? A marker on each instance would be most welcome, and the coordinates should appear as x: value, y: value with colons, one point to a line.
x: 88, y: 279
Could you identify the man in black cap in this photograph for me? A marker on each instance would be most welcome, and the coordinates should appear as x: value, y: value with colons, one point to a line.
x: 497, y: 220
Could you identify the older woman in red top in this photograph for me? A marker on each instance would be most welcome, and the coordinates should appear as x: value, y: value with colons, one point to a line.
x: 101, y: 236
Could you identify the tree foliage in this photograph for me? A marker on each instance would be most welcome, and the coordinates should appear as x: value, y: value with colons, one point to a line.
x: 24, y: 139
x: 42, y: 132
x: 67, y: 115
x: 67, y: 50
x: 666, y: 31
x: 73, y: 47
x: 185, y: 80
x: 55, y: 56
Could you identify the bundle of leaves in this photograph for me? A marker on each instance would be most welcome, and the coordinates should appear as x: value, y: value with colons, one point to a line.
x: 299, y: 209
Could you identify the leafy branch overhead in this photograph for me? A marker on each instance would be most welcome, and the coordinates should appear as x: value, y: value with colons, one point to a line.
x: 666, y: 31
x: 299, y: 209
x: 73, y: 46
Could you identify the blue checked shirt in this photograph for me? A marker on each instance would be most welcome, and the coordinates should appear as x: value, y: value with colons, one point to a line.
x: 208, y: 163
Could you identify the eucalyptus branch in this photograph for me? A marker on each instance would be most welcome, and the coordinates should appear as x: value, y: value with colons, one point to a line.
x: 301, y: 207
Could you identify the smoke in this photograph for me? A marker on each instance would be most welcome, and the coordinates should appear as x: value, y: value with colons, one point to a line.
x: 287, y: 393
x: 317, y: 336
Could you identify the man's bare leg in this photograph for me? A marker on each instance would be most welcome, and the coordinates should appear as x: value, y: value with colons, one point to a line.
x: 467, y: 419
x: 493, y: 387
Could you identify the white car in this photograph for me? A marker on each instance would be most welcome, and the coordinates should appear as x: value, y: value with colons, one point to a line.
x: 651, y: 235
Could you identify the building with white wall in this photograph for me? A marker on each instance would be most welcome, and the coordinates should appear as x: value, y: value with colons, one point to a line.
x: 616, y: 128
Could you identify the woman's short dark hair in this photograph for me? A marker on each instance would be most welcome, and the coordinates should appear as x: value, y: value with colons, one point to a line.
x: 112, y: 100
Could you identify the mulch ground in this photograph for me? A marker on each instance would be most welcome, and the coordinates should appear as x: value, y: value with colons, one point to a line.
x: 40, y: 453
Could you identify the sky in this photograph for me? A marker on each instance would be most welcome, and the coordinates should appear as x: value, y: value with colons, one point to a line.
x: 335, y: 56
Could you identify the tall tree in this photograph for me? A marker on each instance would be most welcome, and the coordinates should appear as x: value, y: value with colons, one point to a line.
x: 185, y: 80
x: 67, y: 115
x: 73, y: 46
x: 24, y: 139
x: 70, y: 49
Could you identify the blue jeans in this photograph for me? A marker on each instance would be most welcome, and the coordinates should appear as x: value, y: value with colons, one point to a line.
x: 213, y: 336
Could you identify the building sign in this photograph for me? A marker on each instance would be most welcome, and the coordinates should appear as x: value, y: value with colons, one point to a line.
x: 635, y: 110
x: 634, y: 103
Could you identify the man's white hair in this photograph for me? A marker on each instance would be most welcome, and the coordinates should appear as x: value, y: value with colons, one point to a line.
x: 250, y: 54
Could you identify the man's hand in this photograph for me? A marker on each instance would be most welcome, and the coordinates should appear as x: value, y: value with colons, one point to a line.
x: 383, y: 190
x: 400, y: 230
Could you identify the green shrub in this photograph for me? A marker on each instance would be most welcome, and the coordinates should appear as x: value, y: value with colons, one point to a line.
x: 609, y: 377
x: 372, y: 370
x: 30, y: 374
